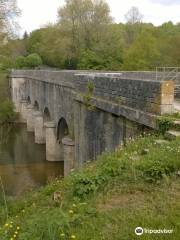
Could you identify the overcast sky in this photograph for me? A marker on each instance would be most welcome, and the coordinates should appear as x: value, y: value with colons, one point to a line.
x: 36, y: 13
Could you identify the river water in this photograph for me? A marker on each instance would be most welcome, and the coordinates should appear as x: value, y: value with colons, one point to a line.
x: 23, y: 166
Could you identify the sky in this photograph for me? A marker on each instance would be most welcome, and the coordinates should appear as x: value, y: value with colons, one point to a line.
x: 36, y: 13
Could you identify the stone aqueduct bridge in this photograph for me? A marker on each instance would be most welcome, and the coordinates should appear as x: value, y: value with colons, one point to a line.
x: 79, y: 115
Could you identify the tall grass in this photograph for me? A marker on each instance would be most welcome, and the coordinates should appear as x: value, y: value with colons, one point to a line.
x: 4, y: 197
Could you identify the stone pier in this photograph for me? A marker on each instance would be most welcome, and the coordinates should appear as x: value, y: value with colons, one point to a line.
x: 99, y: 111
x: 68, y: 153
x: 52, y: 150
x: 30, y: 118
x: 23, y: 111
x: 39, y: 128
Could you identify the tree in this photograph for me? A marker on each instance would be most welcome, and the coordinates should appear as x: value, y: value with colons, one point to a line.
x: 133, y: 16
x: 20, y: 62
x: 8, y: 12
x: 33, y: 60
x: 143, y: 53
x: 25, y: 35
x: 133, y: 26
x: 84, y: 23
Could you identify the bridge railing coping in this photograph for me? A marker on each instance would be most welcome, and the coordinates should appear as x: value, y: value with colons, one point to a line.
x: 57, y: 75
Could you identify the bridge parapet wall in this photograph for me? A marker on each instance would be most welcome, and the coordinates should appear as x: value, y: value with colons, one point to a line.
x: 63, y: 78
x: 151, y: 96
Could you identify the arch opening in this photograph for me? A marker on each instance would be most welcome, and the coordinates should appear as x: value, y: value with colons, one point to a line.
x: 46, y: 115
x: 28, y: 100
x: 62, y: 130
x: 36, y: 106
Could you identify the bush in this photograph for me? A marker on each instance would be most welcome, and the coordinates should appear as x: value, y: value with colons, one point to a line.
x: 6, y: 63
x: 33, y: 60
x: 7, y: 113
x: 20, y: 62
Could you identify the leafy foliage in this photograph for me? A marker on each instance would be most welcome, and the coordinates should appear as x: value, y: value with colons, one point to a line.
x: 20, y: 62
x: 33, y: 60
x: 7, y: 113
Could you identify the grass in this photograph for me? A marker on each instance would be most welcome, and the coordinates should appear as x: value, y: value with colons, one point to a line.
x: 135, y: 186
x: 166, y: 122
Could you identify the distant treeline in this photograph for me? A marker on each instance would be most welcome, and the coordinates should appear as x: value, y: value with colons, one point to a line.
x: 85, y: 37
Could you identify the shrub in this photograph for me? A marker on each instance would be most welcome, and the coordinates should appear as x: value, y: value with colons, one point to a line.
x: 33, y: 60
x: 20, y: 62
x: 7, y: 112
x: 6, y: 63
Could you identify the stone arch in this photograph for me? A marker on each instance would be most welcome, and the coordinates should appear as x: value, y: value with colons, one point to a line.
x: 36, y: 106
x: 46, y: 115
x: 62, y: 129
x: 66, y: 145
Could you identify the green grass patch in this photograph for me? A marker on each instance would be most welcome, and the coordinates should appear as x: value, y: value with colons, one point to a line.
x: 134, y: 186
x: 166, y: 122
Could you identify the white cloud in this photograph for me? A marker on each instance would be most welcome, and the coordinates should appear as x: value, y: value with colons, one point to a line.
x: 166, y: 2
x: 36, y: 13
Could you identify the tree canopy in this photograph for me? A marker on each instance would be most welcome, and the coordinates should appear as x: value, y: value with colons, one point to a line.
x: 85, y: 37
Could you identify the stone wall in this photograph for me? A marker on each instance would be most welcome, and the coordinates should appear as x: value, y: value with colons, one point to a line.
x: 123, y: 103
x: 146, y: 95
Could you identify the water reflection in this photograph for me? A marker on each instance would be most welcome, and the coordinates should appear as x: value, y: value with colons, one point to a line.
x: 22, y: 162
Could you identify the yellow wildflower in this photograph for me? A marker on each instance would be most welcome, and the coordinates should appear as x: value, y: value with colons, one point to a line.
x: 18, y: 228
x: 62, y: 235
x: 6, y: 225
x: 71, y: 211
x: 73, y: 236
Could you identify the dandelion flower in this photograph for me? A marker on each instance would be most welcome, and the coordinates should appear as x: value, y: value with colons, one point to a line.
x: 73, y: 237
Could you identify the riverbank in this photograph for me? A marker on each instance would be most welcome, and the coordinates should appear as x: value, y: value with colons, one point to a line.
x: 7, y: 110
x: 135, y: 186
x: 4, y: 86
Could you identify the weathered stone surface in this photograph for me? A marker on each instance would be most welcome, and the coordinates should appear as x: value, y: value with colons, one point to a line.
x: 39, y: 128
x: 172, y: 134
x: 148, y: 95
x: 30, y: 118
x: 121, y: 104
x: 52, y: 150
x: 68, y: 154
x: 23, y: 111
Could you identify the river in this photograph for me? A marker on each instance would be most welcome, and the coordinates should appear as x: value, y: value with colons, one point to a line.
x: 23, y: 166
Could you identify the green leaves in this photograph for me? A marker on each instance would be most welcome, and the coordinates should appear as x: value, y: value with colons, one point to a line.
x: 7, y: 113
x: 33, y: 60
